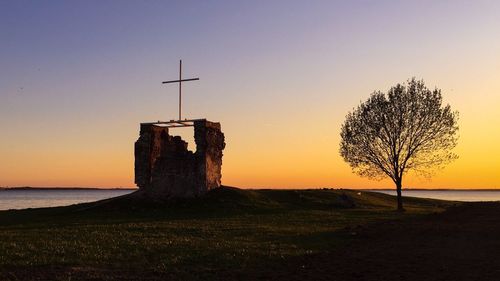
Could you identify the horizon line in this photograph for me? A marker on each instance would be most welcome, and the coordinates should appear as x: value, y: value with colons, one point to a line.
x: 250, y: 188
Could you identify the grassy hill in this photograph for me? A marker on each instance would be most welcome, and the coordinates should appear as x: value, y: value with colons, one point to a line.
x: 229, y: 230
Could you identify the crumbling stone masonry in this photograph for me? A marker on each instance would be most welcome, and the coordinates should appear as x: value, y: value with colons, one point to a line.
x: 165, y: 168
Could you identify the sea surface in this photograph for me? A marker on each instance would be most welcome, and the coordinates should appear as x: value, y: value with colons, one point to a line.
x: 452, y: 195
x: 33, y: 198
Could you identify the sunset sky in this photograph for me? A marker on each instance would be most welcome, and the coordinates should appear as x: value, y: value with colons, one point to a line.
x: 77, y: 78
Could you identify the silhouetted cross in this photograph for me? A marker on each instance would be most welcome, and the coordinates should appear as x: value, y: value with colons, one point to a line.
x: 180, y: 85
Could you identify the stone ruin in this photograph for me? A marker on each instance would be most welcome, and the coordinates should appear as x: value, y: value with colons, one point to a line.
x: 165, y: 168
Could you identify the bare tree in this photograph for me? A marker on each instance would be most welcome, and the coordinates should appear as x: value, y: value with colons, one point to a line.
x: 406, y: 129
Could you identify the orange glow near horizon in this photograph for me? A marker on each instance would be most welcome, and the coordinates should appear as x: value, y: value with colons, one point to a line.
x: 273, y: 156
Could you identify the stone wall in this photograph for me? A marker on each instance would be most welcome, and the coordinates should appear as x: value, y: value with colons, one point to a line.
x: 165, y: 168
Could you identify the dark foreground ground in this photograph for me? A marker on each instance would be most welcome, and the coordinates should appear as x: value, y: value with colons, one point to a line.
x: 463, y: 243
x: 234, y: 234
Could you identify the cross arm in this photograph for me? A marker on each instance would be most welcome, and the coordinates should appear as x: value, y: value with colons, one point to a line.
x: 182, y: 80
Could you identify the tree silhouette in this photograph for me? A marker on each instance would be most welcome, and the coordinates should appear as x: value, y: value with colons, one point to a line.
x: 406, y: 129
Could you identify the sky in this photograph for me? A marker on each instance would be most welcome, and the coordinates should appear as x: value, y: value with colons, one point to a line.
x: 77, y: 78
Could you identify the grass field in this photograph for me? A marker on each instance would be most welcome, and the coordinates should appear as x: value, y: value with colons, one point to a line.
x: 226, y: 233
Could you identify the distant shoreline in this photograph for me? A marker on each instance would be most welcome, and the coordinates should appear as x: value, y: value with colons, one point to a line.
x: 319, y: 188
x: 66, y: 188
x: 435, y: 189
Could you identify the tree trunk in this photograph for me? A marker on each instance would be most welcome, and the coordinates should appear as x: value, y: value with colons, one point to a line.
x: 400, y: 198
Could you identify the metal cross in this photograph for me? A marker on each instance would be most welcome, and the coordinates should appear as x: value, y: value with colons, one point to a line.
x: 180, y: 85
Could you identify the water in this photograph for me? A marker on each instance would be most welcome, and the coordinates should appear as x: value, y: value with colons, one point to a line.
x: 452, y: 195
x: 21, y: 199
